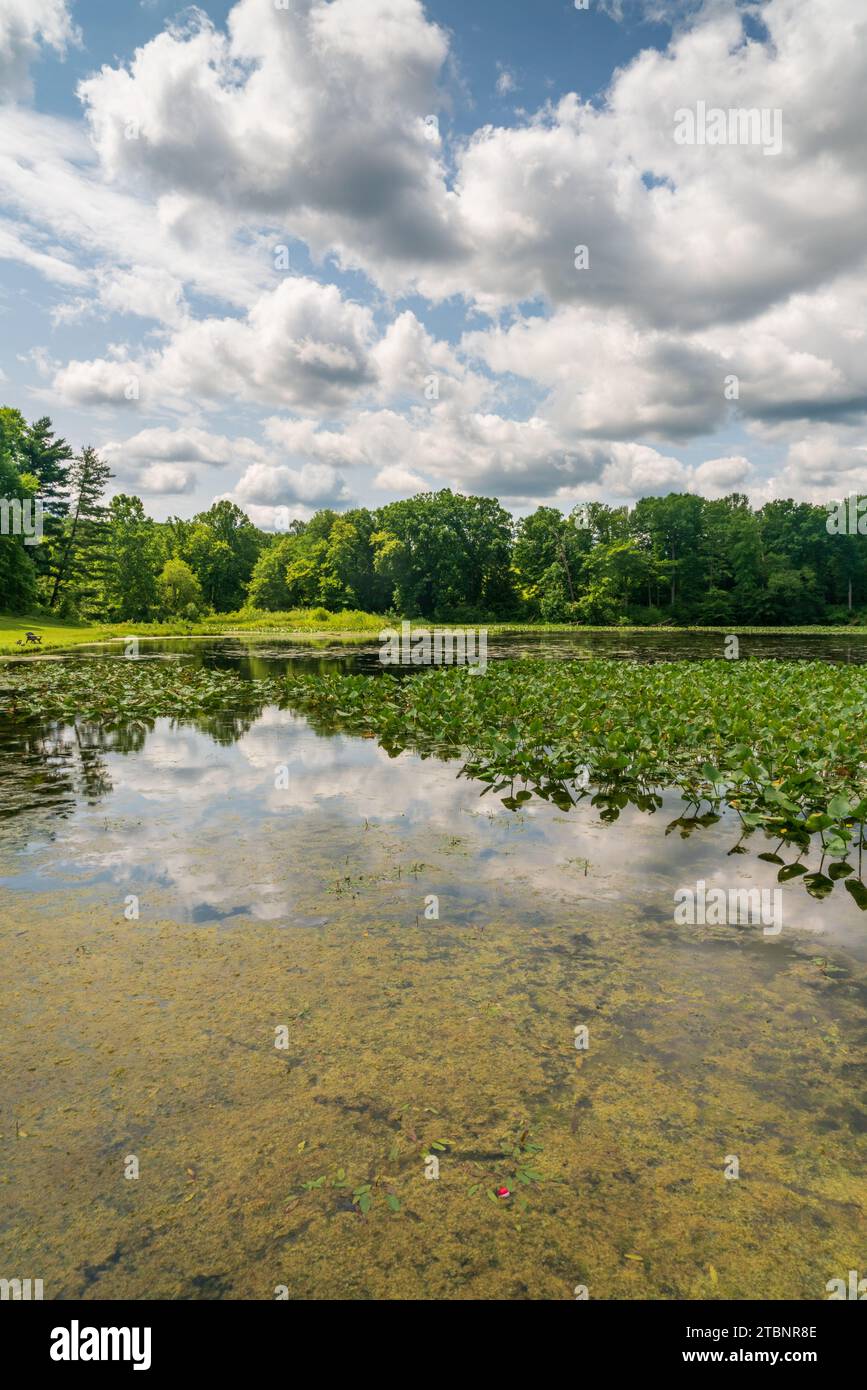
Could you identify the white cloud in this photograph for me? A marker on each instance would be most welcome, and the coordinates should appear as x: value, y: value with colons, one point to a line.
x: 211, y: 146
x: 719, y: 477
x: 144, y: 291
x: 165, y: 479
x: 300, y: 345
x: 186, y: 445
x: 25, y: 25
x: 400, y: 481
x: 17, y: 244
x: 276, y: 485
x: 312, y: 116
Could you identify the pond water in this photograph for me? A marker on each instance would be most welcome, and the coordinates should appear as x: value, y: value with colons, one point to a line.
x: 259, y: 656
x: 175, y: 901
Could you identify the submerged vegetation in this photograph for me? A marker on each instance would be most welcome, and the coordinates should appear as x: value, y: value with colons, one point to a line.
x: 779, y: 743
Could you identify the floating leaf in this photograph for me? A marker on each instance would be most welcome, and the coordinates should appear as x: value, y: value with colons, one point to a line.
x: 858, y: 891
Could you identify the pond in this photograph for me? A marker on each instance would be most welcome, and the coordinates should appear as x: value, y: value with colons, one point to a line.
x: 288, y: 1015
x: 260, y: 656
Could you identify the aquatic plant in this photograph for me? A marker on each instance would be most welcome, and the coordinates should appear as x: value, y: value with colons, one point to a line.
x: 780, y: 743
x: 113, y: 691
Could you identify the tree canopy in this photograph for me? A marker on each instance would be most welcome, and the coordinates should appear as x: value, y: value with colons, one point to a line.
x: 442, y: 556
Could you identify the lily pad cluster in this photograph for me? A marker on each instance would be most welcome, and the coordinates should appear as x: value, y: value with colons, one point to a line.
x: 113, y: 691
x: 780, y: 743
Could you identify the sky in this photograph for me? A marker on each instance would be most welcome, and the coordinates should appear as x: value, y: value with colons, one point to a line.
x: 309, y: 253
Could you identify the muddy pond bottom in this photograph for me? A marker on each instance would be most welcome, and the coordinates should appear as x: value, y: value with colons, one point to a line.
x: 284, y: 1015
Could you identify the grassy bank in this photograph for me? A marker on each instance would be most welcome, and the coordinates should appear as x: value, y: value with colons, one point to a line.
x: 56, y: 634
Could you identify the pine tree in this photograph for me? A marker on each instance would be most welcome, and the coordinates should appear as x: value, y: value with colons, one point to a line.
x: 47, y: 459
x: 85, y: 532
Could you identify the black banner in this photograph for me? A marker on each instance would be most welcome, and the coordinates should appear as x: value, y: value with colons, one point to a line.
x: 153, y: 1338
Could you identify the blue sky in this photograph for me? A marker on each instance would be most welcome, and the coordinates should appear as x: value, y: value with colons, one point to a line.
x: 430, y: 171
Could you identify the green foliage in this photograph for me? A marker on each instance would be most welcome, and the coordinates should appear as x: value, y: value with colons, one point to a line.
x: 777, y: 742
x: 328, y: 561
x: 221, y: 547
x: 178, y: 589
x: 442, y: 552
x: 117, y: 691
x: 680, y: 559
x: 17, y: 565
x: 84, y: 533
x: 684, y: 560
x: 129, y: 581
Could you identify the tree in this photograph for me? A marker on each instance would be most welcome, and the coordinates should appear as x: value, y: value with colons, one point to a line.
x: 48, y: 460
x: 446, y: 556
x: 221, y: 546
x: 548, y: 559
x: 178, y: 589
x: 621, y: 568
x: 84, y: 534
x: 17, y: 567
x: 129, y: 582
x: 268, y: 587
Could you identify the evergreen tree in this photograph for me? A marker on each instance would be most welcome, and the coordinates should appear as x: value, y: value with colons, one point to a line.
x: 85, y: 532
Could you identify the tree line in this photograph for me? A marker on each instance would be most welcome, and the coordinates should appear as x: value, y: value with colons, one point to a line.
x: 441, y: 556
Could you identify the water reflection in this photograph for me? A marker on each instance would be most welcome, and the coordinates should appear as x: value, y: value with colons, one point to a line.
x: 263, y: 656
x: 201, y: 820
x: 280, y: 876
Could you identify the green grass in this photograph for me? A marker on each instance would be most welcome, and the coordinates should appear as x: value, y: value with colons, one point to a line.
x: 56, y: 634
x: 53, y: 632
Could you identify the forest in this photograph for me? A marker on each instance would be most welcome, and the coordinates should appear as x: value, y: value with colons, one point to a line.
x: 675, y: 560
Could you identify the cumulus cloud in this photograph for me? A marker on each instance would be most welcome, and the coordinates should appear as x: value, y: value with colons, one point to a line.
x: 313, y: 114
x: 165, y: 479
x: 719, y: 477
x: 401, y: 481
x: 144, y: 291
x: 186, y: 445
x: 172, y: 462
x: 706, y: 264
x: 25, y: 26
x: 482, y: 452
x: 277, y: 485
x: 65, y: 220
x: 301, y: 345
